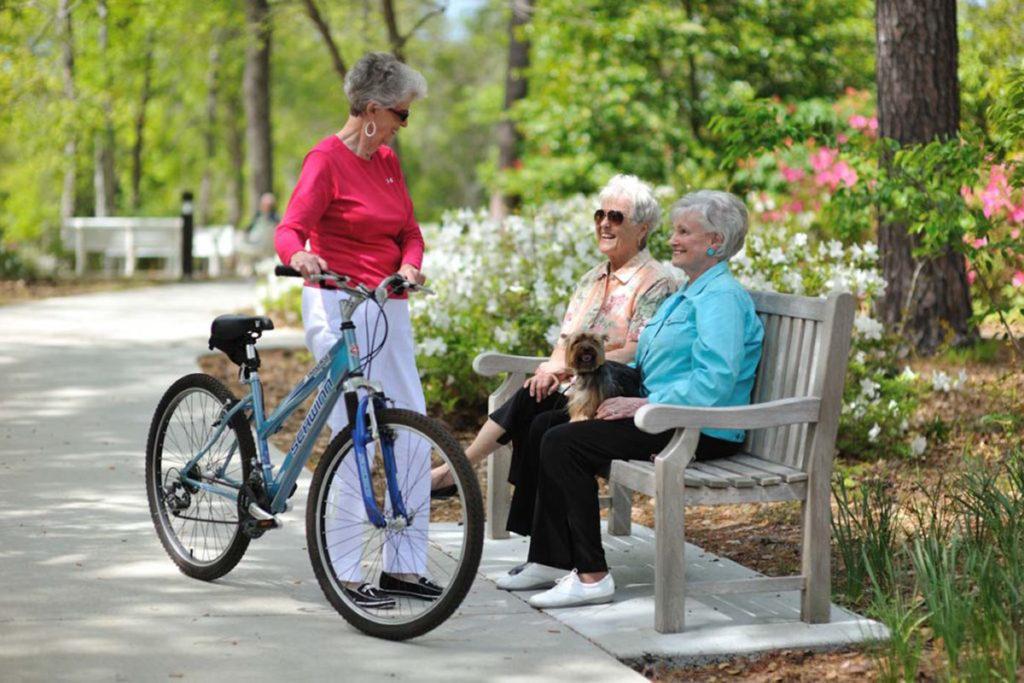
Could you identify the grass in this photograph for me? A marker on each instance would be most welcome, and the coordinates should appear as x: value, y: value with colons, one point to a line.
x: 947, y: 571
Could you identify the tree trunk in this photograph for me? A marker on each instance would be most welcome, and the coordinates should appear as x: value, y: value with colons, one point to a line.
x: 209, y: 135
x: 256, y: 87
x: 395, y: 38
x: 103, y: 150
x: 67, y: 194
x: 509, y: 139
x: 927, y: 302
x: 140, y: 126
x: 236, y: 154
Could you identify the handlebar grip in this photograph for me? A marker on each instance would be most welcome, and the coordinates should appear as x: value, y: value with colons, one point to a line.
x: 286, y: 271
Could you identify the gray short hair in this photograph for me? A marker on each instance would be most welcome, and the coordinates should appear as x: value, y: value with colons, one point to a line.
x: 640, y: 195
x: 720, y: 212
x: 380, y: 77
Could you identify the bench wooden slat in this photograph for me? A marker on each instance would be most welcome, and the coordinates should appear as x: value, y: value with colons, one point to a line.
x: 707, y: 467
x: 791, y: 305
x: 764, y: 584
x: 788, y: 474
x: 760, y: 476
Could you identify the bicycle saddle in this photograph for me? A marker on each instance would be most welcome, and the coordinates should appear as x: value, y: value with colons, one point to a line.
x: 230, y: 334
x: 234, y: 326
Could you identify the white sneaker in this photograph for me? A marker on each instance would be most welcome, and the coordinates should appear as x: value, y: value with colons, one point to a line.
x: 571, y: 592
x: 530, y: 576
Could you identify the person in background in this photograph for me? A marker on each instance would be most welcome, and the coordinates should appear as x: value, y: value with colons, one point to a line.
x: 257, y: 242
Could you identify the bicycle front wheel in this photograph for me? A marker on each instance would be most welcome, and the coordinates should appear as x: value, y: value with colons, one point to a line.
x: 402, y: 579
x: 200, y: 530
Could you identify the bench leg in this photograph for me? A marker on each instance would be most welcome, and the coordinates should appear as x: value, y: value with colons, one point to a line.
x: 815, y: 553
x: 499, y: 493
x: 621, y: 512
x: 670, y: 539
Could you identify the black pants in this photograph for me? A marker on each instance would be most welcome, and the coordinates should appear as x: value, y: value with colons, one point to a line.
x: 516, y: 417
x: 566, y: 529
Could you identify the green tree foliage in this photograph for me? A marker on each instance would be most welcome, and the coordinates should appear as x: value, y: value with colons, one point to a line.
x: 447, y: 139
x: 630, y: 86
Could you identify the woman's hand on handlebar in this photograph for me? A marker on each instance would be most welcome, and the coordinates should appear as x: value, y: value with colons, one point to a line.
x: 412, y: 274
x: 308, y: 264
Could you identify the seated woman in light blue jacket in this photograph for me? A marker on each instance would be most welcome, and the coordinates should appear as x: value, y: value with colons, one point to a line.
x: 701, y: 348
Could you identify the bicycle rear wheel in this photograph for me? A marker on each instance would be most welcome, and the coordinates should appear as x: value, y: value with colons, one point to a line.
x: 199, y: 530
x: 442, y: 542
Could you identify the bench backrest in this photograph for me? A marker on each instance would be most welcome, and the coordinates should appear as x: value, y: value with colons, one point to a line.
x: 806, y: 344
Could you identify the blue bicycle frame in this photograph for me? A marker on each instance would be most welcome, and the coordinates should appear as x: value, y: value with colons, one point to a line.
x: 339, y: 372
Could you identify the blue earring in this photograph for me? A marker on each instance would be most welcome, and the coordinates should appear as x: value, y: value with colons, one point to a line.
x: 711, y: 251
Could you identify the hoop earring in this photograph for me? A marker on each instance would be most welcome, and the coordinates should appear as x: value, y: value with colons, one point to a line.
x: 370, y: 129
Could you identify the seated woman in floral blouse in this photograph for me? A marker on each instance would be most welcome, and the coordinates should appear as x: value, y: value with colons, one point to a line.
x: 615, y: 298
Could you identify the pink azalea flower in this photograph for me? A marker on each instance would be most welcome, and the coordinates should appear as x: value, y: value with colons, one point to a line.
x: 971, y: 277
x: 845, y: 174
x: 791, y: 174
x: 996, y: 195
x: 873, y: 123
x: 1018, y: 279
x: 795, y: 206
x: 857, y: 122
x: 823, y: 159
x: 967, y: 193
x: 1017, y: 216
x: 1014, y: 234
x: 980, y: 242
x: 842, y: 138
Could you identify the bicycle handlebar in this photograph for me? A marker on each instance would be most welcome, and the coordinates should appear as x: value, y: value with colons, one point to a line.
x: 397, y: 284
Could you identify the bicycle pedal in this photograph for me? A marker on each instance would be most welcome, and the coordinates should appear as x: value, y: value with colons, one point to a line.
x: 264, y: 520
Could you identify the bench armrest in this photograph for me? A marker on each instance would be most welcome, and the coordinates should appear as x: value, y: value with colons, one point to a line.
x: 655, y: 418
x: 490, y: 363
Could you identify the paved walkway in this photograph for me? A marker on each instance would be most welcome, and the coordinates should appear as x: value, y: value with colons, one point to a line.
x: 88, y: 593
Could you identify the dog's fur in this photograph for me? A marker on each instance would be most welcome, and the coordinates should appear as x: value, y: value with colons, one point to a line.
x: 596, y: 379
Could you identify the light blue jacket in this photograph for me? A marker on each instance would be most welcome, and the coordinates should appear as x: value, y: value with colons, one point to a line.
x: 702, y: 346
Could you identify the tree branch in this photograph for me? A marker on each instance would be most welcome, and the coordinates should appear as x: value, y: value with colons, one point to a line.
x: 395, y: 37
x: 325, y: 33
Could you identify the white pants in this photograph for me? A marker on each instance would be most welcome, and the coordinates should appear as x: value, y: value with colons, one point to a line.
x: 395, y: 368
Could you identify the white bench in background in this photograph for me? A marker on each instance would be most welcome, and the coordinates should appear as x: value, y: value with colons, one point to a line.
x: 129, y: 238
x: 791, y: 428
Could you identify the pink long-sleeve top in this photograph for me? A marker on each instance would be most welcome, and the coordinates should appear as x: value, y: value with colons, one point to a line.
x: 355, y: 212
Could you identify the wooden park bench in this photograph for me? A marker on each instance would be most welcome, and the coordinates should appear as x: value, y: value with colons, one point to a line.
x: 791, y: 428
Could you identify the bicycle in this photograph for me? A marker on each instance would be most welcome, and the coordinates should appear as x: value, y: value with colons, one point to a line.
x: 212, y: 487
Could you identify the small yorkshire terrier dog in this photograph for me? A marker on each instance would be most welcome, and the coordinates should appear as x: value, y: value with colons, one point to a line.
x: 596, y: 379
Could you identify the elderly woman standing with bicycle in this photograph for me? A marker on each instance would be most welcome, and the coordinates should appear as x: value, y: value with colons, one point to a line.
x: 352, y: 206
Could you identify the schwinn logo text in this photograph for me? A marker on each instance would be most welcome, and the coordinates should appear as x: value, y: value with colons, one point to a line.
x: 311, y: 415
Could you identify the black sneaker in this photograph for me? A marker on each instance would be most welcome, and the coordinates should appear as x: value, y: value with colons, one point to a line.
x: 422, y: 588
x: 369, y: 597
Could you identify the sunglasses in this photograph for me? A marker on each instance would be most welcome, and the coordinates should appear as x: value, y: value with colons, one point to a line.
x: 402, y: 114
x: 614, y: 217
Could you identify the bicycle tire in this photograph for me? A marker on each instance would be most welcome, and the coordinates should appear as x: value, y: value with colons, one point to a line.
x: 380, y: 624
x: 194, y: 425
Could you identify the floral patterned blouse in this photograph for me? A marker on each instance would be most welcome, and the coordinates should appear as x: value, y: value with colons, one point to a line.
x: 619, y: 303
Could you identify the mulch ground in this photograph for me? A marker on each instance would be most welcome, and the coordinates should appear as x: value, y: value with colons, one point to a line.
x: 766, y: 538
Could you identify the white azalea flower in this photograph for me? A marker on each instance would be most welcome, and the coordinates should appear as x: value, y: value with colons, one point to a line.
x: 868, y: 388
x: 874, y: 432
x: 941, y: 381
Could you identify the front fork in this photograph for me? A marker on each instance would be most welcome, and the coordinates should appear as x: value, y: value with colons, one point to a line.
x: 365, y: 431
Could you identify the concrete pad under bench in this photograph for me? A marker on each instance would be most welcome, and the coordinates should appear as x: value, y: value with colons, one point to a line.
x: 717, y: 627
